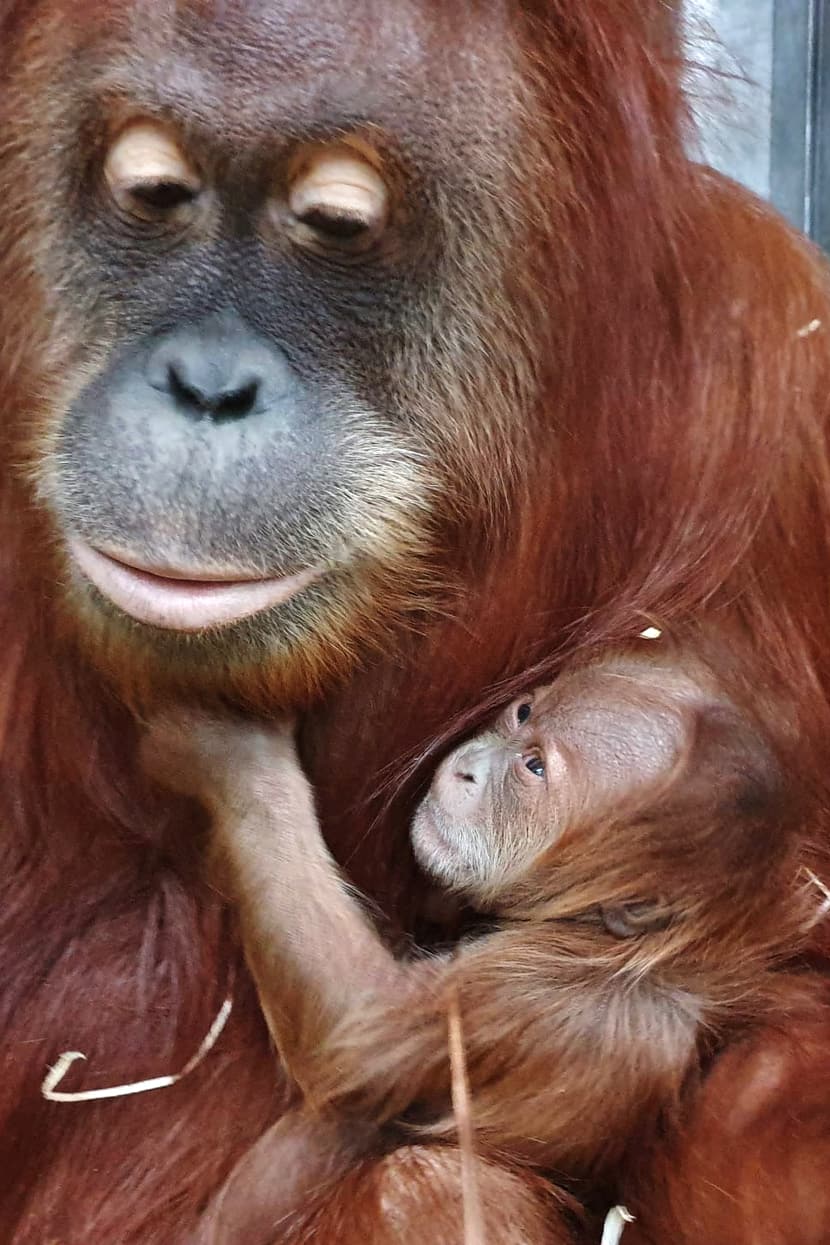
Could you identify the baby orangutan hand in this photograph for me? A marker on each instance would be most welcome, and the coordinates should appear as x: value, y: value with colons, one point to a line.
x: 218, y: 761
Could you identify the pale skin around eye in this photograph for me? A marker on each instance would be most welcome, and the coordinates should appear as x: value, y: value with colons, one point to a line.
x: 338, y: 186
x: 145, y: 156
x: 335, y: 188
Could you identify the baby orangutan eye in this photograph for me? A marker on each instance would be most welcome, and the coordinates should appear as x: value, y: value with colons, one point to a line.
x: 523, y: 714
x: 536, y: 766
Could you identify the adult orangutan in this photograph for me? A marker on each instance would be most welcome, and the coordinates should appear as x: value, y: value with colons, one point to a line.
x: 356, y: 358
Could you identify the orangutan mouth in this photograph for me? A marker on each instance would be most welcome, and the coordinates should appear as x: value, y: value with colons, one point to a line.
x: 184, y: 600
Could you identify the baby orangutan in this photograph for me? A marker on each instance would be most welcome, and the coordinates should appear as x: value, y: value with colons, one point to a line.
x: 625, y: 833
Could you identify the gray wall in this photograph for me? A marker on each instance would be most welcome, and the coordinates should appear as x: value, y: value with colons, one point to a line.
x: 734, y: 105
x: 762, y: 95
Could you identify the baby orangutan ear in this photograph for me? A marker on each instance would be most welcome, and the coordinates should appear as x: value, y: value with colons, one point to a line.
x: 631, y: 920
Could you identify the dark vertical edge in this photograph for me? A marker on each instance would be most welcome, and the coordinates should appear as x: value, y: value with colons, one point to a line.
x: 792, y: 138
x: 820, y: 182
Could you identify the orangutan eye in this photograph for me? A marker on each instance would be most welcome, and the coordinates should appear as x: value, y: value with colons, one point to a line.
x: 536, y: 766
x: 339, y: 196
x: 523, y: 714
x: 334, y: 223
x: 161, y: 196
x: 147, y: 173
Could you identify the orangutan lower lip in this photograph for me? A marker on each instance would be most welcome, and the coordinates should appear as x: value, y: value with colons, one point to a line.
x: 183, y: 601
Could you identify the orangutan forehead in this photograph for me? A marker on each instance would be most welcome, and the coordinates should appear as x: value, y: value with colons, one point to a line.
x: 255, y: 68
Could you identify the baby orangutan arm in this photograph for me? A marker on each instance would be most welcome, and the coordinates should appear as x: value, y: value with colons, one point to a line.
x: 623, y: 789
x: 312, y: 951
x: 368, y: 1035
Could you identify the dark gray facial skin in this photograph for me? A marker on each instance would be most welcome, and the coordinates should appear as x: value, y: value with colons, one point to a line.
x: 244, y: 396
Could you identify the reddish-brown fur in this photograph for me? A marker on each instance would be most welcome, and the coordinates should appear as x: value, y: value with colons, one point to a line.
x: 683, y: 475
x: 581, y: 1028
x: 753, y: 1147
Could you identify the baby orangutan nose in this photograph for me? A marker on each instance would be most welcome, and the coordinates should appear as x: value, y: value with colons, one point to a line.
x: 464, y: 777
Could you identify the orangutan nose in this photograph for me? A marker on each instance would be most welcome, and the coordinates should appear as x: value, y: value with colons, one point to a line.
x: 464, y: 777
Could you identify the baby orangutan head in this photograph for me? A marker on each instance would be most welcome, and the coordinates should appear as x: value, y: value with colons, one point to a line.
x: 575, y: 749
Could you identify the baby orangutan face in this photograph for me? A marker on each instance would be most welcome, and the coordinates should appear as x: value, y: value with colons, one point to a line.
x: 567, y: 750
